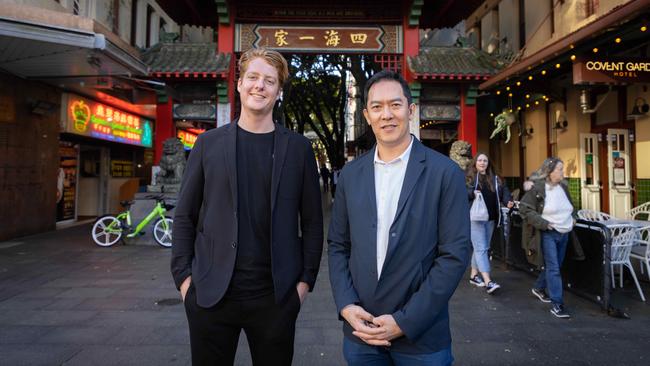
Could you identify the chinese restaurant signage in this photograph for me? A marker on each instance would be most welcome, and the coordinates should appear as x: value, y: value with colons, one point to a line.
x: 371, y: 39
x: 94, y: 119
x: 188, y: 137
x: 442, y: 112
x: 611, y: 70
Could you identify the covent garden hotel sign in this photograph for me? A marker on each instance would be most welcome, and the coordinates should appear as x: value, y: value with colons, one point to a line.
x: 611, y: 70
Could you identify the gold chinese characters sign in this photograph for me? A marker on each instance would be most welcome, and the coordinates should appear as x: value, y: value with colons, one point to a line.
x: 375, y: 39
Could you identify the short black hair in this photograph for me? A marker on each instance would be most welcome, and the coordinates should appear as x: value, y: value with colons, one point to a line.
x: 387, y: 75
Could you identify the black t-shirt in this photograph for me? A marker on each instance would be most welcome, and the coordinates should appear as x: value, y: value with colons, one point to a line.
x: 489, y: 196
x: 252, y: 277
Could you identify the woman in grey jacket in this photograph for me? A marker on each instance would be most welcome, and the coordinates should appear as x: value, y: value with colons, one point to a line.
x: 547, y: 213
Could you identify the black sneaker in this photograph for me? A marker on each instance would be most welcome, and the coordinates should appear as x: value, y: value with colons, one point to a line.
x: 492, y: 286
x: 477, y: 281
x: 558, y: 311
x: 541, y: 295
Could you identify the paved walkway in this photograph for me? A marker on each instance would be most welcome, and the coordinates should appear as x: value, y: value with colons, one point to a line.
x: 65, y: 301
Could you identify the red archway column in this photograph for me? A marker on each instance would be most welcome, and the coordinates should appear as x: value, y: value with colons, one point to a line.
x: 467, y: 129
x: 164, y: 127
x: 411, y: 46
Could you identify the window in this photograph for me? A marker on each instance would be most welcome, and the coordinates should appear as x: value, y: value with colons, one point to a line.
x: 149, y: 16
x: 161, y: 29
x: 134, y: 21
x: 591, y: 7
x: 587, y: 8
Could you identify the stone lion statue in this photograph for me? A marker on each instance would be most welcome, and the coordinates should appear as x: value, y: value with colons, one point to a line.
x: 461, y: 153
x: 172, y: 166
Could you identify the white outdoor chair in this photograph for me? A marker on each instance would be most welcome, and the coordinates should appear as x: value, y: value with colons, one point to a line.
x: 641, y: 251
x: 623, y: 239
x: 643, y: 209
x: 591, y: 215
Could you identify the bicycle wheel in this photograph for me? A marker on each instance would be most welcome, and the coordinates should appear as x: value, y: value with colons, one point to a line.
x: 107, y: 231
x: 162, y: 232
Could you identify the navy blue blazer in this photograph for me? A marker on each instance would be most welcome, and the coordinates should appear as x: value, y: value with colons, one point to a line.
x: 428, y: 248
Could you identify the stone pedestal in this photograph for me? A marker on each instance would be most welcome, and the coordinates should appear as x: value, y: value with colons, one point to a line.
x: 142, y: 206
x: 167, y: 188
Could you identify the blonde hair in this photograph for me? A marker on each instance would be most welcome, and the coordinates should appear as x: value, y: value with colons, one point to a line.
x: 274, y: 58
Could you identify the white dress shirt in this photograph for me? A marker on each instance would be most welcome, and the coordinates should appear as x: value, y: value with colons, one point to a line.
x: 389, y: 177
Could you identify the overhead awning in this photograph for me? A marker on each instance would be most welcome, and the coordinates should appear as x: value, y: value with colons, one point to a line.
x: 37, y: 50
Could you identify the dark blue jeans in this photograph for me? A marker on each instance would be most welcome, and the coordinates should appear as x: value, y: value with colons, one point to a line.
x: 553, y: 247
x: 365, y: 355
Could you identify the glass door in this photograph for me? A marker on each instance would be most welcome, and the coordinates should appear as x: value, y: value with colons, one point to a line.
x: 590, y: 173
x: 618, y: 169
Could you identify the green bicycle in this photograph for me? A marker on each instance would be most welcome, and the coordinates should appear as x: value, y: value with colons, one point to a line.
x: 109, y: 229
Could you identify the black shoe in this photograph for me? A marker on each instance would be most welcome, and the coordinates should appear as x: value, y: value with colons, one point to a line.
x: 541, y: 295
x: 492, y: 286
x: 477, y: 281
x: 558, y: 311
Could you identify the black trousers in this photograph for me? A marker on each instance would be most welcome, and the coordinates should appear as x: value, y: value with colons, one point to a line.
x: 269, y: 328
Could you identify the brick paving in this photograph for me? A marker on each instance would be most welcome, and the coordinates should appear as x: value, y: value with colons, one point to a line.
x: 65, y: 301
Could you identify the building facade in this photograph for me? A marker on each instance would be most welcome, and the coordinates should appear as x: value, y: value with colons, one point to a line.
x: 77, y: 113
x: 576, y: 82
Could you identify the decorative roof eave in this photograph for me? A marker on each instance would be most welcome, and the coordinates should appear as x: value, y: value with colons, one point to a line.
x: 187, y: 61
x: 453, y: 77
x: 460, y: 64
x: 189, y: 75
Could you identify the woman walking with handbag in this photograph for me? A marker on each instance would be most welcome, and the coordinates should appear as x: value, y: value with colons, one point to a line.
x: 486, y: 191
x: 547, y: 212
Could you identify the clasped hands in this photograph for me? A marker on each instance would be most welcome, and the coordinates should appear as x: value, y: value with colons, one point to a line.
x: 375, y: 331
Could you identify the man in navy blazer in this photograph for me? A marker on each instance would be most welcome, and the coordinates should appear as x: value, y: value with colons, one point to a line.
x: 248, y: 229
x: 399, y: 239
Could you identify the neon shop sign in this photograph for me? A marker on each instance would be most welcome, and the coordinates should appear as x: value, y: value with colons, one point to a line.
x: 107, y: 123
x: 188, y: 137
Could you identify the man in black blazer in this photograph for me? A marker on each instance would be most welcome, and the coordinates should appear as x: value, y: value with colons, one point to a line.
x: 399, y: 239
x: 248, y: 228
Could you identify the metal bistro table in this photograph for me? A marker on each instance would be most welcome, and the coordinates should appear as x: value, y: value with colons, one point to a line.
x: 636, y: 223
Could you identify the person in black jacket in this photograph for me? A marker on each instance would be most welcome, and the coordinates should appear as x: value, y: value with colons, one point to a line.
x: 481, y: 178
x: 248, y: 228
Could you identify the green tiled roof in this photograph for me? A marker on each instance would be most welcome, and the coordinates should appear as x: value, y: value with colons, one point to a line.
x: 454, y: 62
x: 186, y: 58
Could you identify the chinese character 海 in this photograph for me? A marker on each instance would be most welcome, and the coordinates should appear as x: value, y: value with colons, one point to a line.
x: 332, y: 38
x: 358, y: 38
x: 281, y: 38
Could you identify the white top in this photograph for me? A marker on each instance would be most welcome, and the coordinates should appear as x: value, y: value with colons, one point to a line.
x: 389, y: 177
x: 558, y: 209
x: 335, y: 176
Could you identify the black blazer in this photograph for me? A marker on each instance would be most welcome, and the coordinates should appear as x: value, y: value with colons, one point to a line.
x: 205, y: 222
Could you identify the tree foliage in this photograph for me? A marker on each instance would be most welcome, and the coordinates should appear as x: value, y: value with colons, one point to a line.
x: 316, y: 97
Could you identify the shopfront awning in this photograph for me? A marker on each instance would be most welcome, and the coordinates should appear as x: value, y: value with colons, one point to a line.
x: 37, y: 50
